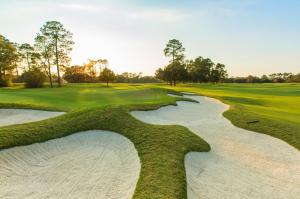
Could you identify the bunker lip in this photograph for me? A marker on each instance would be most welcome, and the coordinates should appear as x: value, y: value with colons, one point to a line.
x: 241, y: 163
x: 10, y: 116
x: 90, y: 164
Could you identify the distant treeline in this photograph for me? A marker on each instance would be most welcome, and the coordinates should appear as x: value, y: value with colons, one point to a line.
x: 182, y: 70
x: 135, y: 78
x: 48, y: 59
x: 204, y: 70
x: 272, y: 78
x: 87, y: 73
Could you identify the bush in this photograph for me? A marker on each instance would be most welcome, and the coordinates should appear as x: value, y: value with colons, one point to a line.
x: 7, y: 82
x: 77, y: 74
x: 34, y: 78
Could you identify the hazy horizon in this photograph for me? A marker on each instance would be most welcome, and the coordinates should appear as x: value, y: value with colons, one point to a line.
x: 249, y: 36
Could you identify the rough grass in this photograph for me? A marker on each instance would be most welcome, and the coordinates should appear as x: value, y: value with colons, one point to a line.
x: 161, y: 148
x: 273, y: 109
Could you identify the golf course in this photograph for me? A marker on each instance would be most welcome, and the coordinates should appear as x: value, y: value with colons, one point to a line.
x: 149, y: 99
x: 161, y: 148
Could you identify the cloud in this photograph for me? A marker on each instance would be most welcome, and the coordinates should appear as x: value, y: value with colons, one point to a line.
x: 158, y: 15
x: 80, y: 7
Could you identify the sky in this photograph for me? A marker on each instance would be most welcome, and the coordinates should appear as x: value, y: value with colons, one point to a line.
x: 249, y: 36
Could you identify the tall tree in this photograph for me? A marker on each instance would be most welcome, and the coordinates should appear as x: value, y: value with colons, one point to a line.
x: 218, y: 73
x: 200, y: 69
x: 45, y: 49
x: 27, y: 53
x: 8, y: 58
x: 159, y: 74
x: 107, y: 75
x: 90, y: 68
x: 175, y: 50
x: 61, y: 41
x: 19, y: 58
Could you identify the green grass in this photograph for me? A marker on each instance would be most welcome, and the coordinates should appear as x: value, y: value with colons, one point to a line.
x: 75, y: 96
x: 91, y: 106
x: 276, y: 107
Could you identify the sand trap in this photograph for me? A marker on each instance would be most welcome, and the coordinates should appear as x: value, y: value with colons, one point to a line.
x: 20, y: 116
x: 91, y: 164
x: 241, y: 164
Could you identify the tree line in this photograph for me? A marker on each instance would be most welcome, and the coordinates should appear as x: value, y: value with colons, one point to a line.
x: 87, y: 73
x: 198, y: 70
x: 204, y: 70
x: 52, y: 46
x: 272, y: 78
x: 49, y: 58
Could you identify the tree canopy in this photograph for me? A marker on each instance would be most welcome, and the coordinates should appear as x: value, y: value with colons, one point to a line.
x: 107, y: 75
x: 8, y: 59
x: 60, y: 43
x: 197, y: 70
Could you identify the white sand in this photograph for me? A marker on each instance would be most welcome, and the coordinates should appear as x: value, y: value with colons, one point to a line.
x: 241, y: 164
x: 91, y: 164
x: 20, y: 116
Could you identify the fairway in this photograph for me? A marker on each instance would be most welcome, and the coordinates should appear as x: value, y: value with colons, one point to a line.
x: 273, y: 109
x: 78, y: 96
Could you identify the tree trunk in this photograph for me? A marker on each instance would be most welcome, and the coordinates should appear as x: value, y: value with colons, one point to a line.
x: 17, y: 71
x: 174, y: 83
x: 107, y: 83
x: 1, y: 74
x: 57, y: 64
x: 49, y: 73
x: 28, y: 63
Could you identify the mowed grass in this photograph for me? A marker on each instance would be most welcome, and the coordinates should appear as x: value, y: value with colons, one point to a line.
x: 273, y: 109
x: 75, y: 96
x: 93, y: 106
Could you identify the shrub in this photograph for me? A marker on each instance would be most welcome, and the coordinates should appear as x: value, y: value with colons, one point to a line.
x: 34, y: 78
x: 77, y: 74
x: 7, y: 82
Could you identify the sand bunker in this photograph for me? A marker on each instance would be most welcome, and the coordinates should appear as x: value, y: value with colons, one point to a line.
x: 241, y: 164
x: 20, y: 116
x: 91, y: 164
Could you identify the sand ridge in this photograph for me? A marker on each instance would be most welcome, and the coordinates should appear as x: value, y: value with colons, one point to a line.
x: 91, y: 164
x: 20, y: 116
x: 241, y: 163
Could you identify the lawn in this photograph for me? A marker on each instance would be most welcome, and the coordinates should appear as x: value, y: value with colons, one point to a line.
x: 80, y: 96
x: 93, y: 106
x: 273, y: 109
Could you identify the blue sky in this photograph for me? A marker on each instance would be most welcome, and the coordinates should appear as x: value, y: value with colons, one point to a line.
x: 248, y: 36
